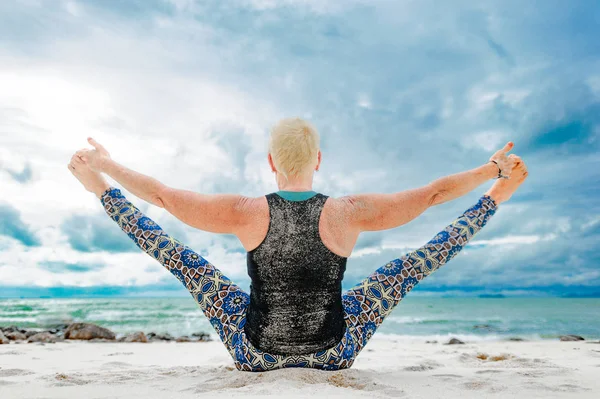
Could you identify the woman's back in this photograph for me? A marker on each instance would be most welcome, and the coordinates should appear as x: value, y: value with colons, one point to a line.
x: 336, y: 230
x: 295, y: 300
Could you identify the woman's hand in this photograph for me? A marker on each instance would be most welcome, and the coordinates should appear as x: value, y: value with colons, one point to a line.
x: 503, y: 189
x: 92, y: 181
x: 505, y: 163
x: 97, y: 158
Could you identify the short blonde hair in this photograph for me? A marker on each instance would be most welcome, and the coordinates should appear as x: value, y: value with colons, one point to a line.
x: 294, y: 145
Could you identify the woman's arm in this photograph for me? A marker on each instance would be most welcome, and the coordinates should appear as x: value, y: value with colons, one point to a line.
x: 371, y: 212
x: 180, y: 260
x: 216, y: 213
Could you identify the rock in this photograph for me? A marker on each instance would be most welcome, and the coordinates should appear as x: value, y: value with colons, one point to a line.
x: 201, y: 336
x: 431, y: 342
x: 3, y: 339
x: 454, y: 341
x: 516, y: 339
x: 58, y: 327
x: 571, y: 338
x: 11, y: 329
x: 87, y: 331
x: 160, y: 337
x: 42, y: 337
x: 30, y: 333
x: 15, y: 336
x: 135, y: 337
x: 183, y: 339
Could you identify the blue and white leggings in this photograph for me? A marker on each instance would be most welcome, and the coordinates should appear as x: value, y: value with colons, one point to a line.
x: 365, y: 306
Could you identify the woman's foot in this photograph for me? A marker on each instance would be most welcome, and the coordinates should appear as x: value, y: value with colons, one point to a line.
x: 503, y: 189
x: 93, y: 182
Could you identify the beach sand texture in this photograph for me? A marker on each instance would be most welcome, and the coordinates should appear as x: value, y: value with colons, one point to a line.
x: 386, y: 368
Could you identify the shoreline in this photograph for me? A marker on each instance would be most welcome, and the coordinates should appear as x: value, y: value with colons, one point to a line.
x: 96, y: 333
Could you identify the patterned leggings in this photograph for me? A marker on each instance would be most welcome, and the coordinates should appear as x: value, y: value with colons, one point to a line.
x: 224, y: 303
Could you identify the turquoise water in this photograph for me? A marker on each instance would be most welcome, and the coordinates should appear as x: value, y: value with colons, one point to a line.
x: 429, y: 318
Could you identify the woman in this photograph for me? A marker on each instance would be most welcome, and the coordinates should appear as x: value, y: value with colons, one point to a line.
x: 297, y: 242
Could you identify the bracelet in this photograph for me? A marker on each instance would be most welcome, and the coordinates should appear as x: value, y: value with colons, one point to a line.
x: 499, y: 170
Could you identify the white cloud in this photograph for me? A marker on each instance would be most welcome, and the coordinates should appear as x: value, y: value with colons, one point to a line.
x: 316, y: 6
x: 489, y: 141
x: 364, y: 101
x: 73, y: 8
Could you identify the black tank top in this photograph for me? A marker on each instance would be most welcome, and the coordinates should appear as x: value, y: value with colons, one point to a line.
x: 296, y: 290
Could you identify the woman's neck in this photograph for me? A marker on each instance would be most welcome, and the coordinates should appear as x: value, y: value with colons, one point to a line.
x: 301, y: 184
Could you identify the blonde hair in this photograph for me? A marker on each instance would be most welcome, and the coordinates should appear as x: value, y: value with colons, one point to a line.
x: 294, y: 145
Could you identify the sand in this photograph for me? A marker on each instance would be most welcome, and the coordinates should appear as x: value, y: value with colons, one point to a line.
x: 387, y: 367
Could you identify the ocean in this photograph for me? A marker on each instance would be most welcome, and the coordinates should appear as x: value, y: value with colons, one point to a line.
x: 429, y: 318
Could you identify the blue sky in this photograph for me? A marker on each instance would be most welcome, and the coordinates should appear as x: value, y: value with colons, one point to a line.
x: 402, y: 93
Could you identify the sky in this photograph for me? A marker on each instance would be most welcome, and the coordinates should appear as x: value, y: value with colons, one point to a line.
x: 402, y: 93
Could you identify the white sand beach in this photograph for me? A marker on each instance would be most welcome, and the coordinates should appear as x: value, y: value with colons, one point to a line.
x: 388, y: 367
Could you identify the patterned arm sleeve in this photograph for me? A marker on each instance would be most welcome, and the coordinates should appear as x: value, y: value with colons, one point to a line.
x: 447, y: 243
x: 180, y: 260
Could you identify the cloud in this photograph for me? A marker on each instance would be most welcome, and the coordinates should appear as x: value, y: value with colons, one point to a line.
x: 91, y: 233
x: 22, y: 177
x: 12, y: 226
x: 62, y: 267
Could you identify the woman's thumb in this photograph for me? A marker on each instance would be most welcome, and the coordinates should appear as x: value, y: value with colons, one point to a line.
x: 96, y: 145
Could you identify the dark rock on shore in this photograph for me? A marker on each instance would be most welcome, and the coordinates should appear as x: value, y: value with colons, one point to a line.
x: 10, y: 329
x: 454, y: 341
x: 201, y: 336
x: 57, y: 331
x: 516, y: 339
x: 87, y: 331
x: 43, y: 337
x: 135, y: 337
x: 571, y: 337
x: 15, y: 336
x: 160, y: 337
x: 59, y: 327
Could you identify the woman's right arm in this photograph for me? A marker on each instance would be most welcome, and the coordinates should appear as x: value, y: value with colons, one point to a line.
x: 372, y: 212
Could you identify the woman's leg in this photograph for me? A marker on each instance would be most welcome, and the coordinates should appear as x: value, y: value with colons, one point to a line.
x: 368, y: 303
x: 223, y: 302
